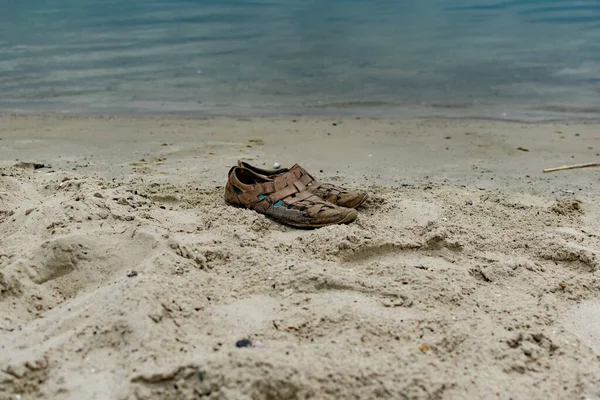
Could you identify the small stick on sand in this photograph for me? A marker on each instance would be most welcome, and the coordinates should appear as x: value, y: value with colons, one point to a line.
x: 564, y: 167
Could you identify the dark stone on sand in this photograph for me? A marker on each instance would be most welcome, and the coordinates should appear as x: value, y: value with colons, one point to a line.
x: 243, y: 343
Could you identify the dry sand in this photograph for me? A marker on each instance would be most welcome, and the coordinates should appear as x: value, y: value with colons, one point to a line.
x: 469, y: 273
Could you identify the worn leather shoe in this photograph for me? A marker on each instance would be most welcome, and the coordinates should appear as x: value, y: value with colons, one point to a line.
x: 282, y: 199
x: 331, y: 193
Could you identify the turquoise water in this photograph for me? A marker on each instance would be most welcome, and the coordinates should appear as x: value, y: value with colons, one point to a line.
x: 500, y: 59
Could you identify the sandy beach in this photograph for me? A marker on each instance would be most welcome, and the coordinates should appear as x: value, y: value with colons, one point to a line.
x: 468, y: 274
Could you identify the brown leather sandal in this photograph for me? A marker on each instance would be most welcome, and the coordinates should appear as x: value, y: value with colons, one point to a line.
x: 283, y: 200
x: 332, y: 194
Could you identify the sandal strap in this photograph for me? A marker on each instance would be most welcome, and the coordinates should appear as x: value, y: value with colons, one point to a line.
x: 306, y: 179
x: 283, y: 193
x: 324, y: 190
x: 300, y: 186
x: 328, y: 190
x: 296, y: 196
x: 305, y: 195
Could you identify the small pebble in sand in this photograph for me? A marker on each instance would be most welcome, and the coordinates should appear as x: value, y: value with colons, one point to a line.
x: 276, y: 165
x: 243, y: 343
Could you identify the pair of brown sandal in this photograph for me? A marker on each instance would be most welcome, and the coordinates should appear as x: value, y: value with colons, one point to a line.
x: 291, y: 196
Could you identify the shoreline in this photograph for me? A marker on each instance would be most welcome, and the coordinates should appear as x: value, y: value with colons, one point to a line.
x: 390, y: 110
x: 297, y: 117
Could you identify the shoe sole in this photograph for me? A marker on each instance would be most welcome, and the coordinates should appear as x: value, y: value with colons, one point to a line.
x: 348, y: 219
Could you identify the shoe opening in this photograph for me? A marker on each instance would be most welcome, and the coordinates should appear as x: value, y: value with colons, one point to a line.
x: 261, y: 171
x: 248, y: 177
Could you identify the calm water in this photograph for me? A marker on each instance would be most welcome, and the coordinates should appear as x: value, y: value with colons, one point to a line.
x: 491, y: 58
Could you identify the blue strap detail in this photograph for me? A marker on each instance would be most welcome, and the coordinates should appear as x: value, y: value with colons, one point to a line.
x: 262, y: 196
x: 278, y: 204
